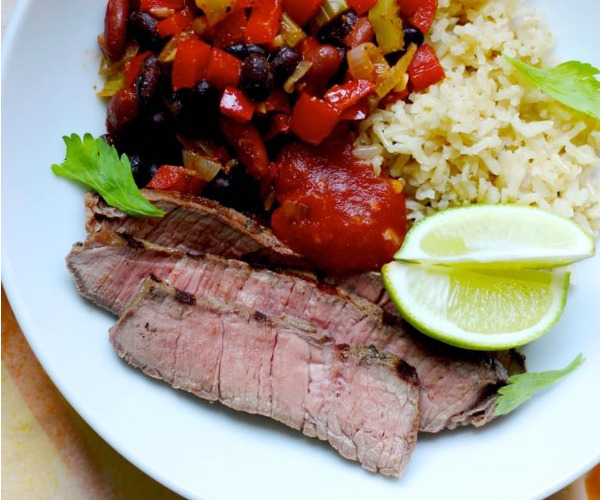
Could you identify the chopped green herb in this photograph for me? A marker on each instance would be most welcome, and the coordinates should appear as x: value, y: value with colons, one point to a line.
x: 573, y: 83
x: 521, y: 387
x: 97, y: 165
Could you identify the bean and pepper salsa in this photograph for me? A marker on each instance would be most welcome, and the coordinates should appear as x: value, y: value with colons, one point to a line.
x: 255, y: 104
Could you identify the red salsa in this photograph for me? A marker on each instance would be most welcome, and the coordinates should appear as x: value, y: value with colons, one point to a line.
x: 335, y: 210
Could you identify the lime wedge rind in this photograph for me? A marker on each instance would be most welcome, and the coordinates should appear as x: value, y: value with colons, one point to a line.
x: 398, y: 282
x: 498, y: 236
x: 512, y: 262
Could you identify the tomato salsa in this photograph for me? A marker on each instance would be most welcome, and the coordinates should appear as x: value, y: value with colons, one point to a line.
x: 335, y: 210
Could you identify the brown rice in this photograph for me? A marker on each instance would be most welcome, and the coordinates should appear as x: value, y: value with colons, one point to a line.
x: 482, y: 135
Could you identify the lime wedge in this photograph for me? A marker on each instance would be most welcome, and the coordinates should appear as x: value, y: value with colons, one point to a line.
x: 496, y: 236
x: 476, y: 308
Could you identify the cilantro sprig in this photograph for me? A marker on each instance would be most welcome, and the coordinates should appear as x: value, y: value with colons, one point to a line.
x: 573, y: 83
x: 97, y: 165
x: 521, y: 387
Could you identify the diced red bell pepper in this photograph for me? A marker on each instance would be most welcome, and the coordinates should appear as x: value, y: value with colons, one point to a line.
x: 362, y: 32
x: 230, y: 30
x: 190, y: 63
x: 409, y: 7
x: 361, y: 6
x: 358, y: 111
x: 348, y: 94
x: 248, y: 145
x: 223, y: 69
x: 393, y: 97
x: 175, y: 24
x: 302, y: 11
x: 175, y: 178
x: 149, y: 5
x: 425, y: 69
x: 133, y: 67
x: 277, y: 102
x: 236, y: 105
x: 264, y: 23
x: 313, y: 119
x: 280, y: 124
x: 419, y: 12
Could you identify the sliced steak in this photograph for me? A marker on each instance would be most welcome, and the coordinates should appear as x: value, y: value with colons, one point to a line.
x: 195, y: 224
x: 370, y: 287
x: 458, y: 387
x: 363, y: 402
x: 198, y: 225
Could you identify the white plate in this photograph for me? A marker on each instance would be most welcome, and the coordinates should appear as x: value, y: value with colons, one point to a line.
x: 200, y: 450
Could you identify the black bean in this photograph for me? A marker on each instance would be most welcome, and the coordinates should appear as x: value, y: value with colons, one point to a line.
x: 142, y: 169
x: 148, y: 82
x: 160, y: 122
x: 393, y: 57
x: 413, y: 35
x: 241, y: 50
x: 336, y: 30
x: 238, y: 50
x: 195, y: 110
x: 283, y: 63
x: 256, y: 79
x: 142, y: 27
x: 237, y: 190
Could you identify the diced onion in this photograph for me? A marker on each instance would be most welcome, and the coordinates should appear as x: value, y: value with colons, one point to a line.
x: 112, y: 84
x: 291, y: 32
x: 299, y: 72
x: 168, y: 52
x: 162, y: 12
x: 215, y: 10
x: 113, y: 72
x: 395, y: 77
x: 387, y: 24
x: 366, y: 62
x: 360, y: 65
x: 206, y: 167
x: 108, y: 67
x: 330, y: 10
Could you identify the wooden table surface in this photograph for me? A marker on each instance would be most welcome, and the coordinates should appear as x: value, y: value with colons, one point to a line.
x: 49, y: 452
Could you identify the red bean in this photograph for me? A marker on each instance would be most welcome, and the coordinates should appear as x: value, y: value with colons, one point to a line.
x: 123, y: 107
x: 326, y: 61
x: 115, y: 28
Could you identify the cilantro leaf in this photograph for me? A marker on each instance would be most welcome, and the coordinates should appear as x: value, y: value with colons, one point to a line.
x: 571, y: 83
x: 96, y: 164
x: 521, y: 387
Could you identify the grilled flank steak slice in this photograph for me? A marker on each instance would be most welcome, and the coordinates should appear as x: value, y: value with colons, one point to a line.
x: 363, y: 402
x: 458, y: 387
x: 195, y: 224
x: 199, y: 225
